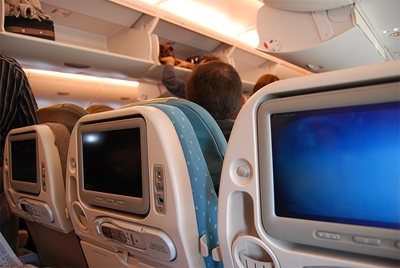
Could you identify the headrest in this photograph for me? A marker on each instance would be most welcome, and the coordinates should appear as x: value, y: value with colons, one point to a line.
x: 61, y: 136
x: 158, y: 100
x: 64, y: 113
x: 211, y: 139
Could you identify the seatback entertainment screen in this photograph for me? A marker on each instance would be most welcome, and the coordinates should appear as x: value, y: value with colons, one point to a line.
x: 338, y: 165
x: 112, y: 162
x: 24, y: 162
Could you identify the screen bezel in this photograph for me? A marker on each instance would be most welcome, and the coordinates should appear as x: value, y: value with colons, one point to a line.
x: 304, y: 231
x: 130, y: 204
x: 24, y: 186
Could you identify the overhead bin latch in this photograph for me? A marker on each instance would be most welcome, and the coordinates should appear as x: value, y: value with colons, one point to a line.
x: 323, y: 25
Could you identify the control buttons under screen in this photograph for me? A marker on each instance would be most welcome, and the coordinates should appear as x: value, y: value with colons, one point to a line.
x: 366, y: 240
x: 327, y: 235
x: 109, y: 200
x: 121, y: 203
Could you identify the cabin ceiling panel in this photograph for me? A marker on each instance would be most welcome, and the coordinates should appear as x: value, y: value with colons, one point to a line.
x: 178, y: 34
x: 237, y: 11
x: 383, y: 17
x: 229, y: 17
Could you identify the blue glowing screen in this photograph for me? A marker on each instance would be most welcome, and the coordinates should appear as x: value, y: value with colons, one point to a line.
x: 339, y: 164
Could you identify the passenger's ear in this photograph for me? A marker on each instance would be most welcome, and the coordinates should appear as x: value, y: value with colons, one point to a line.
x: 244, y: 99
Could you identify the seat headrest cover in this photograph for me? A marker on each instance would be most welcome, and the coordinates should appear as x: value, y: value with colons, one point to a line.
x: 204, y: 196
x: 61, y: 137
x: 211, y: 139
x: 158, y: 100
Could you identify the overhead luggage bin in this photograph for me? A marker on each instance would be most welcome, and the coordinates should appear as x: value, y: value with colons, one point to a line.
x: 331, y: 35
x: 120, y: 39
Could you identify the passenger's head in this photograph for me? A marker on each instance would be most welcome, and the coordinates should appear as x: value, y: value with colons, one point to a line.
x: 263, y: 81
x: 217, y: 87
x: 98, y: 108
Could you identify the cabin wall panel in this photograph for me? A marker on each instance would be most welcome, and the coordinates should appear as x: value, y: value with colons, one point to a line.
x: 116, y: 95
x: 63, y: 90
x: 147, y: 91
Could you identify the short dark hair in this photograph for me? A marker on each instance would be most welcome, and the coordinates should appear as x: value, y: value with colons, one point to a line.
x: 217, y: 87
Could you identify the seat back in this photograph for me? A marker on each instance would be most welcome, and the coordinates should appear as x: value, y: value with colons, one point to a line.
x: 203, y: 187
x: 34, y: 179
x: 292, y: 193
x: 182, y: 199
x: 64, y: 113
x: 208, y: 133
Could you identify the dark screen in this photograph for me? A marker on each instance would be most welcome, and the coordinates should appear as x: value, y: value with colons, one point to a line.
x: 338, y: 165
x: 23, y: 160
x: 112, y: 162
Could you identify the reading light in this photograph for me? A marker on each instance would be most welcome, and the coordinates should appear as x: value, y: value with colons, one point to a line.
x: 314, y: 67
x: 61, y: 12
x: 396, y: 32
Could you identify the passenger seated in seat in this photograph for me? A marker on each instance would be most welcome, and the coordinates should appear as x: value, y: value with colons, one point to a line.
x: 217, y: 87
x: 169, y: 79
x: 263, y: 81
x: 17, y: 109
x: 98, y: 108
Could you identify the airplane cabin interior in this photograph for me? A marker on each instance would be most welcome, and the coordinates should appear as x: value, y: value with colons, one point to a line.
x: 309, y: 177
